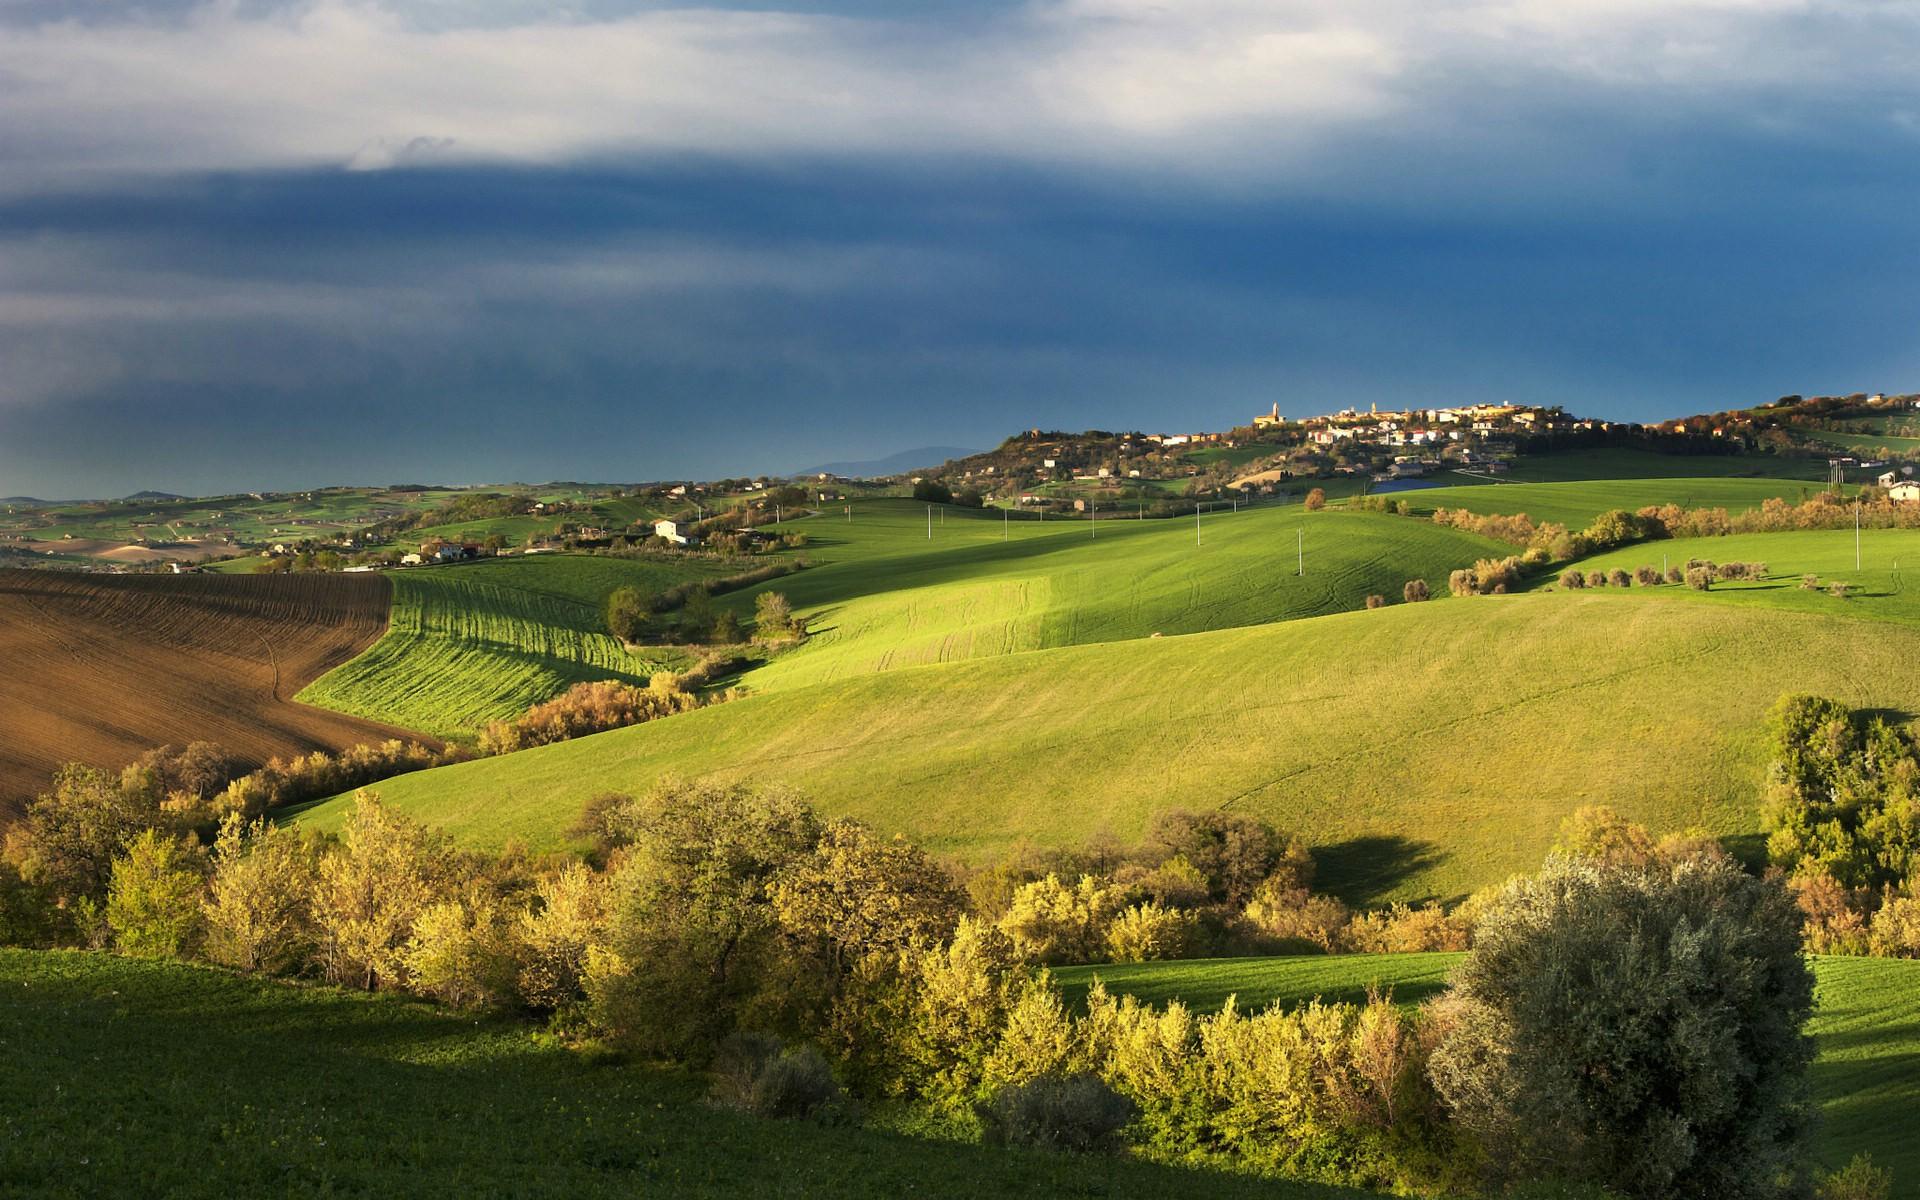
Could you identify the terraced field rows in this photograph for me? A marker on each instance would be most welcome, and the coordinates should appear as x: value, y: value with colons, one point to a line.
x: 472, y: 644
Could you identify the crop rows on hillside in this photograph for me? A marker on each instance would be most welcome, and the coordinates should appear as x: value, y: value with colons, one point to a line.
x: 100, y: 668
x: 468, y: 645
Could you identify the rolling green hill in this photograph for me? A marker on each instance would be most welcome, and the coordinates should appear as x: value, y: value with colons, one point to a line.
x: 1426, y: 750
x: 471, y: 643
x: 1866, y: 1026
x: 1575, y: 504
x: 987, y: 587
x: 131, y: 1078
x: 1887, y: 588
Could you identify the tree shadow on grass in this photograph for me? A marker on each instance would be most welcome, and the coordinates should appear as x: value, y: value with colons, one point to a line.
x: 1364, y: 870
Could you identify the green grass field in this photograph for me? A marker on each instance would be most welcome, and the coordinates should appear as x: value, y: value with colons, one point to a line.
x: 1575, y: 504
x: 1890, y: 560
x: 471, y: 643
x: 129, y: 1078
x: 1866, y: 1026
x: 1868, y: 442
x: 1426, y: 750
x: 1620, y: 463
x: 1064, y: 583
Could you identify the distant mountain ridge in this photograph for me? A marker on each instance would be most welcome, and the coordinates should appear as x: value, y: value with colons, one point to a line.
x: 892, y: 464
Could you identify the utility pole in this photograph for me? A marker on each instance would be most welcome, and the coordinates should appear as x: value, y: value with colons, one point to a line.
x: 1856, y: 535
x: 929, y: 522
x: 1196, y: 523
x: 1006, y: 525
x: 1301, y: 569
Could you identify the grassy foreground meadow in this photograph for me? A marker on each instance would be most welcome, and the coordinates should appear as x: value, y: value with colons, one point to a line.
x: 478, y: 642
x: 128, y: 1077
x: 1866, y: 1026
x: 1425, y: 749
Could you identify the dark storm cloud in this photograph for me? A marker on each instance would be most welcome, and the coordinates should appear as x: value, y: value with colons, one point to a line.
x: 537, y: 292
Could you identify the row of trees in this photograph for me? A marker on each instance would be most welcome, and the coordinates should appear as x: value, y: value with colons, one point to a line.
x: 806, y: 959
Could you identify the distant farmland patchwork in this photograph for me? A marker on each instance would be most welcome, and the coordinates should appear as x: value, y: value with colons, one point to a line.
x: 100, y: 668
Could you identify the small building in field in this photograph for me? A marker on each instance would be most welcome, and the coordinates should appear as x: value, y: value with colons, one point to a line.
x: 411, y: 560
x: 670, y: 531
x: 1888, y: 479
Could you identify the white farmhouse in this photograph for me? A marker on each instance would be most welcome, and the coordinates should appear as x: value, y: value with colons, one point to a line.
x: 669, y: 531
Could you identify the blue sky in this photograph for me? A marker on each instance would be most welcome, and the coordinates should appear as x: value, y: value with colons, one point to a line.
x: 250, y: 244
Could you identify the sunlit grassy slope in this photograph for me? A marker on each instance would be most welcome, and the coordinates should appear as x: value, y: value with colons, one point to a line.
x: 1885, y: 588
x: 475, y: 642
x: 1866, y: 1026
x: 890, y: 597
x: 1424, y: 749
x: 1575, y: 504
x: 131, y: 1078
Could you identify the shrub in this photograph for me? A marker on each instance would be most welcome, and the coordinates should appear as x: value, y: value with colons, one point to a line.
x: 1148, y: 932
x: 1596, y: 579
x: 1080, y: 1113
x: 1053, y: 922
x: 1895, y: 929
x: 1700, y: 579
x: 1619, y: 578
x: 1297, y: 919
x: 1376, y: 601
x: 1858, y: 1180
x: 1462, y: 583
x: 1676, y: 575
x: 754, y: 1073
x: 1838, y: 589
x: 554, y: 936
x: 1415, y: 591
x: 588, y: 708
x: 1496, y: 575
x: 726, y: 629
x: 153, y: 899
x: 1316, y: 499
x: 1647, y: 576
x: 1573, y: 579
x: 1810, y: 582
x: 1401, y: 929
x: 773, y: 618
x: 72, y: 833
x: 1692, y: 990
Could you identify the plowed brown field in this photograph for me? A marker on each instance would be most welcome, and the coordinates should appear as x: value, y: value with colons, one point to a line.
x: 100, y: 668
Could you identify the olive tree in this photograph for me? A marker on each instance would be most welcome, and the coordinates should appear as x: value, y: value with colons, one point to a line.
x: 1640, y: 1026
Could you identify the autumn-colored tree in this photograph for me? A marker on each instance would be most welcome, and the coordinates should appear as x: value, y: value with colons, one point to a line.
x: 386, y: 871
x: 554, y: 937
x: 1316, y: 499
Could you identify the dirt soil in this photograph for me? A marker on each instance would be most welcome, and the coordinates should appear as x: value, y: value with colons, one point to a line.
x: 101, y: 668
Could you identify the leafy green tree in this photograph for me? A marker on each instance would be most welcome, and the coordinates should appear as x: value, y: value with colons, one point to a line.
x: 259, y: 907
x: 153, y: 900
x: 386, y: 871
x: 932, y: 491
x: 1639, y: 1027
x: 726, y: 629
x: 1844, y: 794
x: 693, y: 943
x: 71, y: 834
x: 627, y: 610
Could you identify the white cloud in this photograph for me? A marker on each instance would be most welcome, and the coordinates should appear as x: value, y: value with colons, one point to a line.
x: 1195, y: 82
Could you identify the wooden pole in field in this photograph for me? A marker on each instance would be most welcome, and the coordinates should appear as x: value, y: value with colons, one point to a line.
x: 929, y: 522
x: 1302, y: 568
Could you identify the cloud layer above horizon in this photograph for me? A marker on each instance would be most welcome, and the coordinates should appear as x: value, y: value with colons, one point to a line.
x: 262, y: 244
